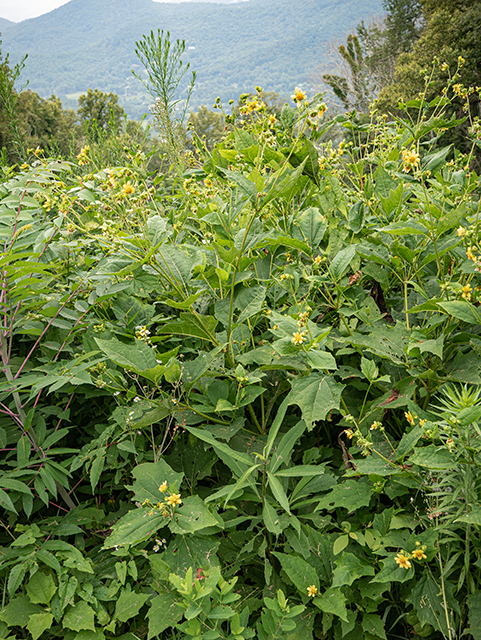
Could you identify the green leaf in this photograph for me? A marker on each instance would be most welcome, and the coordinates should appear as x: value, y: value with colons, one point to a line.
x: 278, y: 492
x: 250, y: 301
x: 276, y: 425
x: 193, y: 325
x: 349, y: 568
x: 137, y: 525
x: 473, y: 517
x: 245, y: 185
x: 220, y: 446
x: 18, y: 612
x: 392, y: 572
x: 271, y: 519
x: 427, y: 600
x: 129, y: 604
x: 97, y: 467
x: 137, y: 357
x: 321, y: 360
x: 408, y: 442
x: 474, y: 606
x: 193, y: 516
x: 285, y: 185
x: 163, y: 614
x: 462, y: 310
x: 282, y: 453
x: 340, y: 544
x: 23, y: 451
x: 41, y: 588
x: 38, y: 623
x: 332, y: 601
x: 340, y: 263
x: 300, y: 573
x: 5, y: 502
x: 434, y: 458
x: 313, y: 226
x: 316, y: 395
x: 373, y: 624
x: 192, y: 551
x: 149, y: 476
x: 80, y: 616
x: 16, y: 576
x: 369, y: 369
x: 300, y: 470
x: 350, y: 495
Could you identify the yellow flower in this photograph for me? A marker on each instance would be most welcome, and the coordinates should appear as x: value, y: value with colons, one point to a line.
x: 410, y: 159
x: 275, y: 327
x: 312, y: 590
x: 173, y: 499
x: 208, y: 182
x: 470, y: 255
x: 409, y: 417
x: 467, y: 292
x: 461, y: 231
x: 127, y: 189
x: 298, y: 338
x: 163, y: 487
x: 403, y: 561
x: 419, y: 554
x: 317, y: 260
x: 272, y: 120
x: 298, y: 95
x: 83, y: 155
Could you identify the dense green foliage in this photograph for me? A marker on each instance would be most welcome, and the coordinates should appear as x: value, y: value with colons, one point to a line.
x: 276, y: 43
x: 244, y: 401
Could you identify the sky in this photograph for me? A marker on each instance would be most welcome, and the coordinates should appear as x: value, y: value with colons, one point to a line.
x: 18, y: 10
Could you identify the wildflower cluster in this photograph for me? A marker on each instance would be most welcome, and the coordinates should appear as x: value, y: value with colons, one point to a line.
x: 83, y: 157
x: 403, y: 558
x: 159, y: 544
x: 142, y: 333
x: 355, y: 432
x: 410, y: 160
x: 165, y: 507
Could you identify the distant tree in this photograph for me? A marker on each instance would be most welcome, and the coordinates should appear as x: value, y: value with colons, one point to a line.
x: 10, y: 132
x: 98, y: 110
x: 45, y: 123
x: 208, y: 125
x: 367, y: 61
x: 452, y: 29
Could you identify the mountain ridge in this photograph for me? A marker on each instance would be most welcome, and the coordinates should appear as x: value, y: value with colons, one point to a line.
x: 232, y: 46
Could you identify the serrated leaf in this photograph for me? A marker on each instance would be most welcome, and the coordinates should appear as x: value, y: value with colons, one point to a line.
x: 332, y: 601
x: 316, y: 395
x: 41, y: 588
x: 38, y: 623
x: 18, y: 612
x: 80, y: 616
x: 137, y: 525
x: 129, y: 604
x: 149, y: 476
x: 163, y: 613
x: 300, y: 572
x: 194, y: 516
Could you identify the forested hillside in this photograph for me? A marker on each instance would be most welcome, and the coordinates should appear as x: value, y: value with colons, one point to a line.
x: 276, y: 43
